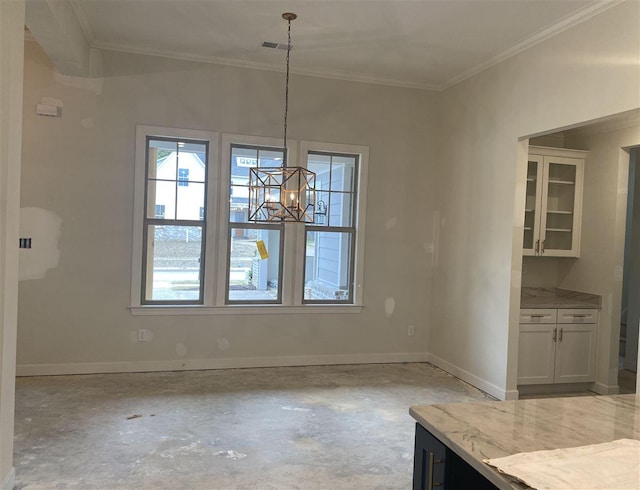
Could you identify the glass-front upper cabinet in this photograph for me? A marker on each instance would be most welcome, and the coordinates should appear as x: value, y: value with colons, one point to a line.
x: 553, y: 208
x: 531, y: 243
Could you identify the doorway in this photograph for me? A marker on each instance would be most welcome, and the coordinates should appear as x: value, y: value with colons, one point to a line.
x: 630, y: 307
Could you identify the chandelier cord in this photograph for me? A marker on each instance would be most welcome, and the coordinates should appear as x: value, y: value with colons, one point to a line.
x: 286, y: 94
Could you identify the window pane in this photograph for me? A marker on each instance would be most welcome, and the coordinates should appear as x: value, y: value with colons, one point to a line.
x: 239, y: 204
x: 270, y: 158
x: 199, y: 149
x: 342, y: 173
x: 183, y: 177
x: 320, y: 164
x: 252, y: 276
x: 191, y: 167
x: 162, y: 159
x: 161, y: 195
x: 190, y: 201
x: 173, y: 261
x: 327, y: 266
x: 340, y: 209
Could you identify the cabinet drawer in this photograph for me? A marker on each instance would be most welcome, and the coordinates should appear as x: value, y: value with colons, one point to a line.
x: 538, y: 315
x: 585, y: 315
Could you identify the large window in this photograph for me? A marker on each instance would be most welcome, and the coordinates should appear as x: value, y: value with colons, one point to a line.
x: 330, y: 241
x: 195, y: 248
x: 254, y: 265
x: 174, y: 228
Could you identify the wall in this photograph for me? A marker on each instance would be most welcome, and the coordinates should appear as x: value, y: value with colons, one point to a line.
x: 586, y: 72
x: 540, y: 271
x: 11, y: 65
x: 599, y: 269
x: 79, y: 169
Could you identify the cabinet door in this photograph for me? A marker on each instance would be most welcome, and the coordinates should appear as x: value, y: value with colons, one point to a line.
x: 531, y: 240
x: 429, y: 464
x: 536, y: 354
x: 562, y: 207
x: 576, y: 353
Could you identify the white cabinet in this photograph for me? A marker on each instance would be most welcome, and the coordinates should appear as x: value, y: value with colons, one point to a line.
x: 553, y: 206
x: 557, y: 346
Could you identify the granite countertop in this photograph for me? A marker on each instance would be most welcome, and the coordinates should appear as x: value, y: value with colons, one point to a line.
x: 558, y: 298
x: 476, y: 431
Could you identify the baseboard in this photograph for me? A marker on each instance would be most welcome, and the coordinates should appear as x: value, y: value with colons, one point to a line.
x: 512, y: 395
x: 10, y: 480
x: 603, y: 389
x: 470, y: 378
x: 204, y: 364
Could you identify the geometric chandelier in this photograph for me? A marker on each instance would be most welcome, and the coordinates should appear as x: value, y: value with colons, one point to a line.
x: 282, y: 194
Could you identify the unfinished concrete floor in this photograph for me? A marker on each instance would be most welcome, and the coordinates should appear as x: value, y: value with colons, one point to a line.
x: 324, y: 427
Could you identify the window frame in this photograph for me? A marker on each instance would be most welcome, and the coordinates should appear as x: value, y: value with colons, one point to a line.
x: 140, y: 220
x: 225, y: 225
x: 358, y: 221
x: 218, y: 228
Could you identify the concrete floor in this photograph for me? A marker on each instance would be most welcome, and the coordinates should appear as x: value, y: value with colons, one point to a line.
x: 327, y: 427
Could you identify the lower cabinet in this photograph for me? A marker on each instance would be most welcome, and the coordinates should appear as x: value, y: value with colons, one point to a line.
x: 436, y: 466
x: 557, y: 346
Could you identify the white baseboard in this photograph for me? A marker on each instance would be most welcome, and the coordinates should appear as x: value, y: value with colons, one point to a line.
x: 512, y: 395
x: 603, y: 389
x: 470, y: 378
x: 203, y: 364
x: 10, y: 480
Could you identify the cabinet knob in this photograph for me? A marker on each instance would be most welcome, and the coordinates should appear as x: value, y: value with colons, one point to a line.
x: 561, y: 334
x: 555, y: 334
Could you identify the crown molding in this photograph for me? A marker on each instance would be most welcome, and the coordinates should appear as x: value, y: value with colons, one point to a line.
x: 568, y: 22
x: 595, y: 8
x: 260, y: 66
x: 83, y: 20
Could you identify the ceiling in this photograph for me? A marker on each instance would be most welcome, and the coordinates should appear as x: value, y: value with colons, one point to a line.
x: 428, y: 44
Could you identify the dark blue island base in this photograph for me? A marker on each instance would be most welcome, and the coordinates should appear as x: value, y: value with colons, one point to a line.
x: 436, y: 466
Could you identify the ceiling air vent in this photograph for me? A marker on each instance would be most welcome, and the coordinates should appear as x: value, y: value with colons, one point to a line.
x: 272, y: 45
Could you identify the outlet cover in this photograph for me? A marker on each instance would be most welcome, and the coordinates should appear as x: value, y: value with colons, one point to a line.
x: 144, y: 335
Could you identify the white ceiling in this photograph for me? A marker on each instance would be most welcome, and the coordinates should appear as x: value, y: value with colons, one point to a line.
x: 415, y: 43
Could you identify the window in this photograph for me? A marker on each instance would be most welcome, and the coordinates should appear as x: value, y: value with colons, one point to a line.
x: 194, y: 245
x: 172, y: 237
x: 330, y: 240
x: 183, y: 177
x: 174, y: 228
x: 254, y: 265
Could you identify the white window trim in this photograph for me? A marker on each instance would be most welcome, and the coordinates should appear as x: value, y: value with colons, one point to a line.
x: 138, y: 206
x: 219, y: 157
x: 155, y: 310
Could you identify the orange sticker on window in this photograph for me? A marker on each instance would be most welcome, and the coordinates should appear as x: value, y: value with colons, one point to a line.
x: 262, y: 250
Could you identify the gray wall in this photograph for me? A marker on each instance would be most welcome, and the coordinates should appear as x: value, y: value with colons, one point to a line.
x: 584, y: 73
x: 11, y: 62
x: 79, y: 167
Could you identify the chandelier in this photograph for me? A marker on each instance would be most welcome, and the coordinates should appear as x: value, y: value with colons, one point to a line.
x: 282, y: 194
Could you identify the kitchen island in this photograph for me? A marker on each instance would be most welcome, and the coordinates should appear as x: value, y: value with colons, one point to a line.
x: 452, y: 440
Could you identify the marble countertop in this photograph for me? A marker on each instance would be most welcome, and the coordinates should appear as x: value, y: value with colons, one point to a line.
x: 558, y: 298
x: 476, y: 431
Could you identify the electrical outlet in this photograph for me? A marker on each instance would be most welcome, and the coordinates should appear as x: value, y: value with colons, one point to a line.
x: 411, y: 330
x: 144, y: 335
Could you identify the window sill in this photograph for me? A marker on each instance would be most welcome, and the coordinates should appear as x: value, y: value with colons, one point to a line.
x: 156, y: 310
